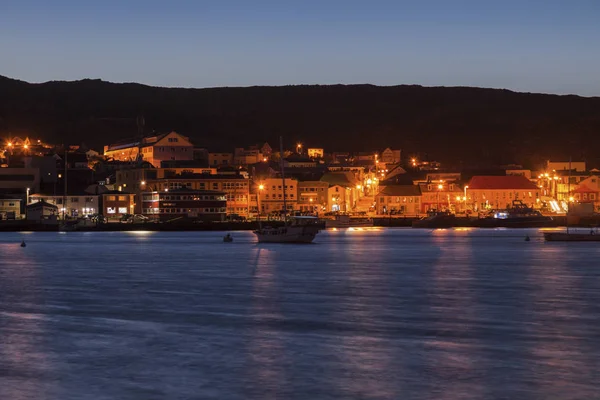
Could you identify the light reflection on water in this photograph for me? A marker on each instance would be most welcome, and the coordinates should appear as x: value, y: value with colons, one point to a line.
x: 371, y: 313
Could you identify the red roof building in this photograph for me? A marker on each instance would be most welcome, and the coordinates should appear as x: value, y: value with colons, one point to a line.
x: 497, y: 192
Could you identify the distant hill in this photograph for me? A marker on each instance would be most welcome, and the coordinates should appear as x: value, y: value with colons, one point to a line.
x: 448, y: 124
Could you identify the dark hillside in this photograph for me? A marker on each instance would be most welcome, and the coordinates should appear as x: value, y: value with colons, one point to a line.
x: 450, y: 124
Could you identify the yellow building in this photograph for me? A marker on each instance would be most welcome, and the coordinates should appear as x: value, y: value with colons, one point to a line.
x: 398, y: 200
x: 313, y: 196
x: 315, y: 153
x: 271, y: 196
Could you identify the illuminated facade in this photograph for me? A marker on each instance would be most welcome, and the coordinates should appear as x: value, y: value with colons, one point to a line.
x: 205, y: 205
x: 499, y: 192
x: 235, y: 187
x: 398, y: 200
x: 441, y: 196
x: 271, y: 196
x: 153, y: 149
x: 313, y: 196
x: 116, y: 204
x: 315, y: 152
x: 71, y: 206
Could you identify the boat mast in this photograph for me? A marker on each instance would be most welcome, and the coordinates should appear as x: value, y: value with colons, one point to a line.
x: 569, y: 195
x: 282, y: 180
x: 65, y: 188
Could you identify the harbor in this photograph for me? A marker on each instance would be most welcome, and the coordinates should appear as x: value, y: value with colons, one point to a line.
x: 391, y: 222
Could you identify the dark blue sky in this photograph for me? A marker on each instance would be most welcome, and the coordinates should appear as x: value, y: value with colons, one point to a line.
x: 529, y: 45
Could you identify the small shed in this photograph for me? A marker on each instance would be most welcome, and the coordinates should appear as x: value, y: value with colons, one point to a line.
x: 42, y: 211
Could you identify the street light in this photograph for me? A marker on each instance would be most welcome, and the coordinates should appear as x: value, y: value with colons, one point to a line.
x: 27, y: 197
x: 261, y: 187
x: 465, y: 197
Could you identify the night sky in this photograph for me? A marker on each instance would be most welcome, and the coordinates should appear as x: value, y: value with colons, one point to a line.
x: 529, y: 45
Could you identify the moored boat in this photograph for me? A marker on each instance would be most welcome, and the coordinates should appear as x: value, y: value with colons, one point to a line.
x: 346, y: 221
x: 298, y: 229
x: 301, y: 229
x: 437, y: 219
x: 517, y: 216
x: 571, y: 237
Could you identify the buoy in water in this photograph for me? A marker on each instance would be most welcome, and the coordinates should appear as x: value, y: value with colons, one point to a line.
x: 527, y: 239
x: 23, y: 244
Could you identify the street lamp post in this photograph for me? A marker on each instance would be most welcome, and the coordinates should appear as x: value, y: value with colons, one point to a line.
x: 440, y: 187
x: 261, y: 187
x: 465, y: 197
x: 27, y: 197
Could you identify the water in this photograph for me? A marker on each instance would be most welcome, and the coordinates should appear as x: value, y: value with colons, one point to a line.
x: 360, y: 314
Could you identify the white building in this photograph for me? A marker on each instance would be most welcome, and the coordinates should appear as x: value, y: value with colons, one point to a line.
x: 72, y: 206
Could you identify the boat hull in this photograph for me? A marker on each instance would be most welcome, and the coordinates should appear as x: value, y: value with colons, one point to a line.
x: 294, y: 234
x: 570, y: 237
x: 436, y: 223
x: 349, y: 224
x: 535, y: 222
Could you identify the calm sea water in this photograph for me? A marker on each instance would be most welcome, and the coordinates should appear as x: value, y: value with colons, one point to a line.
x: 360, y: 314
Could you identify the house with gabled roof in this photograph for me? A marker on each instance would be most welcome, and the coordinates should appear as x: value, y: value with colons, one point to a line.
x: 154, y: 149
x: 398, y: 200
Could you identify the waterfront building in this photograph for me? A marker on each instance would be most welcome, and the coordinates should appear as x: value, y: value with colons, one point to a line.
x: 442, y: 196
x: 398, y: 200
x: 10, y: 207
x: 499, y: 192
x: 271, y: 196
x: 345, y: 190
x: 42, y: 212
x: 116, y: 204
x: 71, y: 205
x: 234, y: 186
x: 168, y: 205
x: 154, y: 149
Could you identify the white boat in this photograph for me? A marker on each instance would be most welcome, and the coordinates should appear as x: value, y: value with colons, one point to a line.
x: 300, y: 229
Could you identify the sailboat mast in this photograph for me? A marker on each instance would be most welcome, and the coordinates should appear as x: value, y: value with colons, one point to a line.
x: 282, y: 179
x: 569, y: 195
x: 65, y: 188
